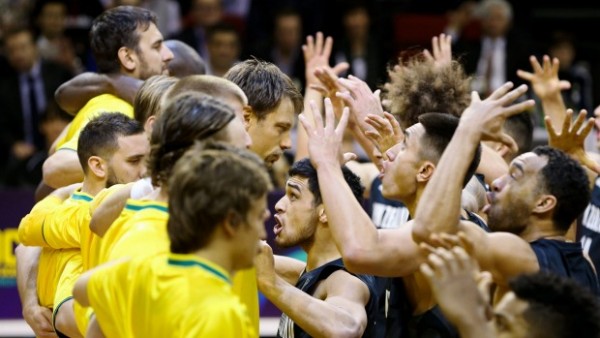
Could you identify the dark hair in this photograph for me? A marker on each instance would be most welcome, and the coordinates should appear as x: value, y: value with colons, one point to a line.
x: 186, y: 119
x: 100, y: 136
x: 116, y: 28
x: 265, y: 85
x: 558, y: 307
x: 304, y: 168
x: 149, y: 98
x: 421, y: 87
x: 565, y: 179
x: 221, y: 27
x: 520, y: 128
x: 206, y: 187
x: 186, y: 60
x: 439, y: 129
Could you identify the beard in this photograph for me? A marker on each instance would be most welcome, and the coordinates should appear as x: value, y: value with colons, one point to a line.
x: 513, y: 220
x: 112, y: 178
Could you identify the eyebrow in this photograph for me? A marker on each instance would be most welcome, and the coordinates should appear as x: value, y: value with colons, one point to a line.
x: 519, y: 166
x: 285, y: 125
x: 294, y: 186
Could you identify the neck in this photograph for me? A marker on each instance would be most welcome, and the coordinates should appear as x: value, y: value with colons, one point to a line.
x: 321, y: 249
x: 91, y: 186
x: 538, y: 229
x: 215, y: 254
x: 412, y: 202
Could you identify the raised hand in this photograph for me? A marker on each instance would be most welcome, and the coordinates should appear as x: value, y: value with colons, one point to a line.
x: 265, y: 266
x: 572, y: 137
x: 316, y: 54
x: 544, y: 79
x: 360, y: 99
x: 325, y: 141
x: 387, y: 131
x: 452, y: 276
x: 442, y: 50
x: 487, y: 117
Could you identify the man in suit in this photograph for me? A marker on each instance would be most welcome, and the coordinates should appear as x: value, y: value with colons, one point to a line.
x: 495, y: 57
x: 26, y: 92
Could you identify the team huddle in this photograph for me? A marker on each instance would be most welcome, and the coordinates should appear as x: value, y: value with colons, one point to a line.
x: 153, y: 224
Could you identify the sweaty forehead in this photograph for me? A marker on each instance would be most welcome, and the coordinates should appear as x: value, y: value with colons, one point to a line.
x: 414, y: 132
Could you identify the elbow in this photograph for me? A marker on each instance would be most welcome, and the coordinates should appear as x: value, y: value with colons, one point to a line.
x: 51, y: 172
x: 80, y: 292
x: 420, y: 233
x: 357, y: 260
x: 352, y: 328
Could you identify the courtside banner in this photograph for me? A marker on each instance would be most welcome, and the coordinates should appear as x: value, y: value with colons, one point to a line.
x: 16, y: 204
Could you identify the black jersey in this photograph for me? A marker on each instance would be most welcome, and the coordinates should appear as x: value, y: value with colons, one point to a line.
x: 588, y: 231
x: 308, y: 282
x: 567, y: 260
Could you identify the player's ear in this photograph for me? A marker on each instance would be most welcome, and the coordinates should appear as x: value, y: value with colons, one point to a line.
x: 98, y: 166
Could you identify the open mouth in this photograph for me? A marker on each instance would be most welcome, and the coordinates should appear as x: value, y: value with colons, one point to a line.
x: 278, y: 226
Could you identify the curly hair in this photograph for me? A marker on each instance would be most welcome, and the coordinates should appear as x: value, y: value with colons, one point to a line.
x: 418, y: 86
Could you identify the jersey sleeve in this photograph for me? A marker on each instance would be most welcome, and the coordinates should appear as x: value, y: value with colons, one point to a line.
x: 62, y: 229
x: 30, y: 229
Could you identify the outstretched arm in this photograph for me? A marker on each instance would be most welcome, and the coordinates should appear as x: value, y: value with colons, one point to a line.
x: 482, y: 119
x: 72, y: 95
x: 363, y: 248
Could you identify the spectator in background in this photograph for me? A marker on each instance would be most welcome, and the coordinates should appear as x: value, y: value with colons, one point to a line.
x: 358, y: 47
x: 25, y: 92
x: 224, y: 47
x: 577, y: 72
x: 284, y: 49
x: 204, y: 14
x: 53, y: 44
x: 499, y: 53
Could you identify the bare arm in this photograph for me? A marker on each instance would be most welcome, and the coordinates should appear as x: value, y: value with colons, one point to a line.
x: 37, y: 317
x: 72, y: 95
x: 340, y: 312
x: 62, y: 168
x: 441, y: 213
x: 288, y: 268
x: 109, y: 210
x: 363, y: 248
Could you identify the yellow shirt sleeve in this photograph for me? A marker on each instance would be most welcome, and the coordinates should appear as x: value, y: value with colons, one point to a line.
x: 62, y: 230
x: 30, y: 229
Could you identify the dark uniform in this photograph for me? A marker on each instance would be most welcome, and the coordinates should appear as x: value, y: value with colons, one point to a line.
x: 308, y: 282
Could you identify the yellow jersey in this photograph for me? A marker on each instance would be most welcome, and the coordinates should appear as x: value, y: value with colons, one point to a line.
x: 159, y: 296
x: 94, y: 107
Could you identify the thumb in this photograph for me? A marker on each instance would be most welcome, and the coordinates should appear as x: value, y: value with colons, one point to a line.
x: 510, y: 142
x: 347, y: 157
